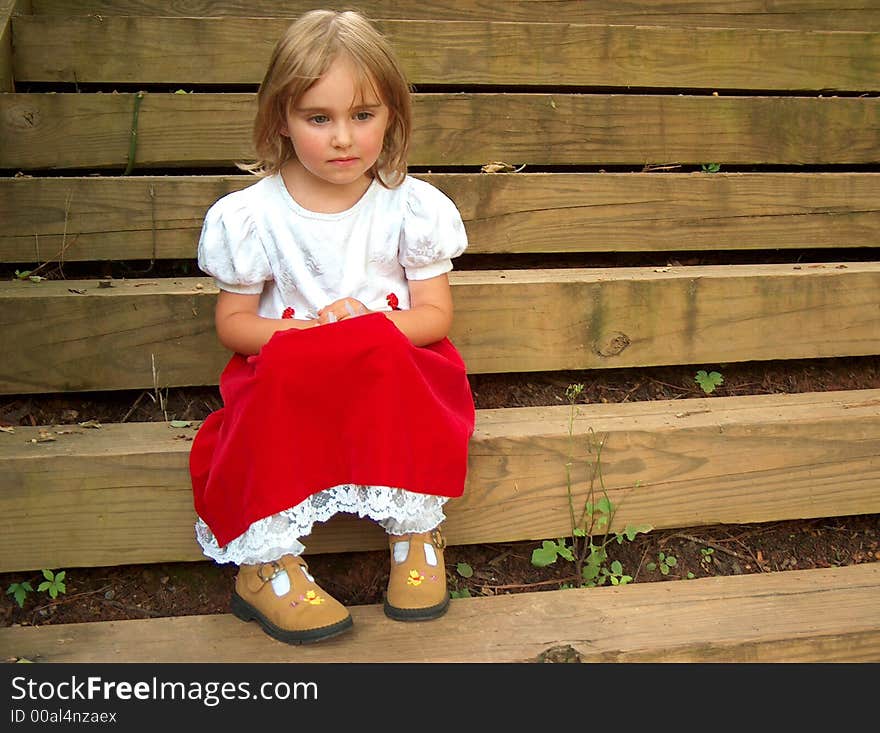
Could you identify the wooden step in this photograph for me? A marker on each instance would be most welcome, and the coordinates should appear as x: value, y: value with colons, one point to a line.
x: 160, y: 333
x: 162, y: 50
x: 160, y: 217
x: 121, y: 494
x: 93, y: 131
x: 857, y: 15
x: 823, y: 615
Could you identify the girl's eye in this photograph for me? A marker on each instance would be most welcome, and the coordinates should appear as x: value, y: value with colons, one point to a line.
x: 319, y: 119
x: 363, y: 116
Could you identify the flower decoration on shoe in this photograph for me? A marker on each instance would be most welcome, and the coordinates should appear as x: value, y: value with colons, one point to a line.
x: 415, y: 578
x: 312, y: 598
x: 288, y: 312
x: 393, y: 302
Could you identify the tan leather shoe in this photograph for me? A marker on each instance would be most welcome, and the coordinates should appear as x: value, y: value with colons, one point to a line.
x: 284, y: 599
x: 417, y: 583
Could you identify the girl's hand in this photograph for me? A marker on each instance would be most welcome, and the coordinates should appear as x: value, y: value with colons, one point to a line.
x: 340, y: 310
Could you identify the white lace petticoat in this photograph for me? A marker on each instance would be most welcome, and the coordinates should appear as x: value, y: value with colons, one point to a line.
x: 398, y: 511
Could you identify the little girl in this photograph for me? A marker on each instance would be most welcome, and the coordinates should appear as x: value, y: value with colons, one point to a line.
x: 343, y: 393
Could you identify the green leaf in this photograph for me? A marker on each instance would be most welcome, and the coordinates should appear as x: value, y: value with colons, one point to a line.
x: 48, y: 575
x: 579, y: 532
x: 708, y: 381
x: 22, y: 274
x: 181, y: 423
x: 604, y: 505
x: 464, y: 570
x: 45, y: 585
x: 60, y: 576
x: 624, y: 579
x: 671, y: 561
x: 664, y: 569
x: 651, y: 566
x: 631, y: 530
x: 616, y: 567
x: 544, y: 555
x: 565, y: 552
x: 589, y: 572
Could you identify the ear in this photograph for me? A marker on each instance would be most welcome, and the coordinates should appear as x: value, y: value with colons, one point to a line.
x: 283, y: 131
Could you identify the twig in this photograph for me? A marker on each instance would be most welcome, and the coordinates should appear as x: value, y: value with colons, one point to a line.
x: 531, y: 585
x: 134, y: 406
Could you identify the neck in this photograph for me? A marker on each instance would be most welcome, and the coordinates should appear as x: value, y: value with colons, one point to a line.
x: 320, y: 196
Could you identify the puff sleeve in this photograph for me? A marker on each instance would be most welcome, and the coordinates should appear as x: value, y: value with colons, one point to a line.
x: 433, y: 232
x: 230, y: 248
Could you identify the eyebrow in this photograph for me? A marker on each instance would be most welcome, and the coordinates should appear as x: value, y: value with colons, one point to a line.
x: 323, y: 109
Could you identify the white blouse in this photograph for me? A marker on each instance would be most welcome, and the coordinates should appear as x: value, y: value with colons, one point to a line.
x: 260, y: 240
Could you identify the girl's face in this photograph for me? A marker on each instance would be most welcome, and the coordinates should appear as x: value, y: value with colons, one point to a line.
x: 337, y: 129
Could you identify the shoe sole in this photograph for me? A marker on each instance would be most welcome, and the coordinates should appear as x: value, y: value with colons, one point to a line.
x: 416, y: 614
x: 244, y: 611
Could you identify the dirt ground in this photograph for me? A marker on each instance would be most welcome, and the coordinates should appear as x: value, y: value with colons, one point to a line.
x: 171, y: 589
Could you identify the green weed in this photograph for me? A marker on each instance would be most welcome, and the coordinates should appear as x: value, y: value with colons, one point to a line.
x: 664, y: 563
x: 53, y: 584
x: 708, y: 381
x: 590, y: 524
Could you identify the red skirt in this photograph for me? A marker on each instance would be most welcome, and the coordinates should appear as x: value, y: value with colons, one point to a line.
x: 352, y: 402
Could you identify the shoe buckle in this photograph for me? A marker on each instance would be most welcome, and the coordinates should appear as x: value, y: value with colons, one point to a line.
x: 276, y: 571
x: 438, y: 539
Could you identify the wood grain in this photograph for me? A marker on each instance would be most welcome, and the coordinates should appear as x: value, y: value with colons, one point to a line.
x: 160, y: 217
x: 63, y: 131
x: 857, y: 15
x: 157, y: 50
x: 125, y: 495
x: 821, y: 615
x: 92, y: 338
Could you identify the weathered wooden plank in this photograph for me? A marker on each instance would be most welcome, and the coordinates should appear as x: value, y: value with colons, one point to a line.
x: 160, y: 217
x: 8, y: 9
x: 98, y: 338
x: 821, y: 615
x: 57, y: 131
x: 142, y: 50
x: 808, y: 14
x: 124, y: 490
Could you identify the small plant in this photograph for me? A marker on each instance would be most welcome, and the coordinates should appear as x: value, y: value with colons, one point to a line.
x: 708, y: 381
x: 711, y: 167
x: 53, y: 583
x: 706, y: 557
x: 463, y: 593
x: 590, y: 533
x: 20, y: 591
x: 664, y: 563
x: 464, y: 570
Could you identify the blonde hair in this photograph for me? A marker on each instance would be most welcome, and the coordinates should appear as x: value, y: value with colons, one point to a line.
x: 301, y: 56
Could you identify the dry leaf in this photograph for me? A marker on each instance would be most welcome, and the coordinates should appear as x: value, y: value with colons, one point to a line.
x: 9, y: 429
x: 499, y: 166
x: 89, y: 424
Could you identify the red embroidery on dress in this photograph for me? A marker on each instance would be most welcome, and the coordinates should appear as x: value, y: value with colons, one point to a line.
x: 288, y: 313
x: 392, y: 301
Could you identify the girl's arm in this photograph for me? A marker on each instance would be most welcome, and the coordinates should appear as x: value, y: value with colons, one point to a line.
x: 240, y: 329
x: 429, y: 317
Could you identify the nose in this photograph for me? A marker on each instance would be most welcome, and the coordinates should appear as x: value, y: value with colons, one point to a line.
x: 341, y: 135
